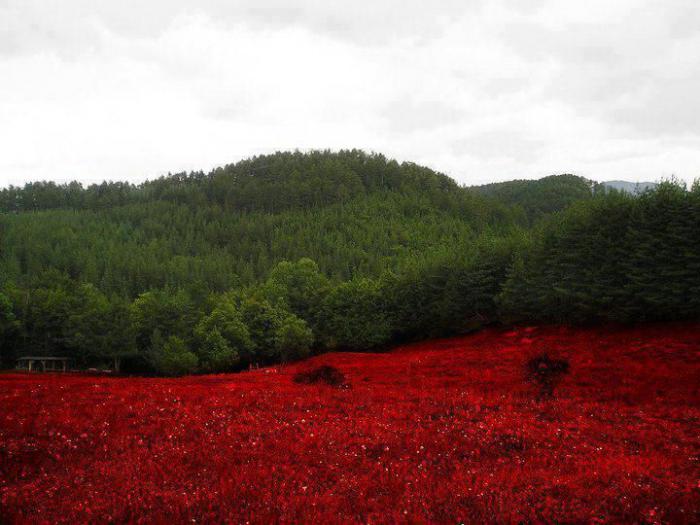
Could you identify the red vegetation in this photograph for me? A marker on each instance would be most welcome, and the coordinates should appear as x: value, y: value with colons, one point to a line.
x: 445, y: 431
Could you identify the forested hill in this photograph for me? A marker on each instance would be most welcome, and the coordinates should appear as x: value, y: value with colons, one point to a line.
x: 273, y: 257
x: 295, y: 180
x: 353, y: 213
x: 540, y: 197
x: 271, y: 183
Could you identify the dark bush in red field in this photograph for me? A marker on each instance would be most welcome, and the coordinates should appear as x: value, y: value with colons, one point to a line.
x: 439, y: 432
x: 546, y: 373
x: 324, y: 374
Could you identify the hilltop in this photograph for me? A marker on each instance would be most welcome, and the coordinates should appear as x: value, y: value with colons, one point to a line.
x: 278, y: 182
x: 351, y: 212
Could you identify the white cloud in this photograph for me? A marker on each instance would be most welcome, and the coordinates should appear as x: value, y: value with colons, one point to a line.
x: 95, y: 89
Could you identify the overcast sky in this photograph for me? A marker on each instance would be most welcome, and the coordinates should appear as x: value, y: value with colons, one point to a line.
x: 482, y: 90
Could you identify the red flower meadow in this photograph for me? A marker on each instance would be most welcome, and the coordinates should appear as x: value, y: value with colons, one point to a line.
x: 446, y: 431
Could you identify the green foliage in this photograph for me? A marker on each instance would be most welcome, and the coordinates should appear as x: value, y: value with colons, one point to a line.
x: 263, y: 321
x: 8, y: 324
x: 299, y: 287
x: 293, y: 339
x: 170, y: 312
x: 538, y: 198
x: 616, y: 257
x: 7, y: 316
x: 171, y: 356
x: 451, y: 291
x: 353, y: 316
x: 119, y: 340
x: 223, y: 337
x: 86, y: 325
x: 216, y: 353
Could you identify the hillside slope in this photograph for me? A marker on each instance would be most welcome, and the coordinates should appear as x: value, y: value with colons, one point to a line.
x: 353, y: 213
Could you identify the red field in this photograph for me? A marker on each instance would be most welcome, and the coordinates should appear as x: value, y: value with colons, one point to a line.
x: 448, y: 431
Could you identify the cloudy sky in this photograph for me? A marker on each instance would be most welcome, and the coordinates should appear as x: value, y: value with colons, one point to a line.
x: 482, y: 90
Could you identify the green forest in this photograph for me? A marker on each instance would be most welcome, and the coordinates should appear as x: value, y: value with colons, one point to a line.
x: 280, y: 256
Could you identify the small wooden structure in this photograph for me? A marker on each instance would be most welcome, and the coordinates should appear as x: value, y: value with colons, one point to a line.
x: 48, y: 364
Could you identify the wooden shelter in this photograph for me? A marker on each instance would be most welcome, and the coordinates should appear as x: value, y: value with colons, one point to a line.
x: 48, y: 364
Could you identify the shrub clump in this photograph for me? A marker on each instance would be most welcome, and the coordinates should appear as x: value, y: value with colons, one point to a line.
x: 324, y: 374
x: 546, y: 373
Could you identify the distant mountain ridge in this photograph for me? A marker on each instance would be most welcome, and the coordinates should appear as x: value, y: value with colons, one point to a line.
x: 541, y: 196
x: 630, y: 187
